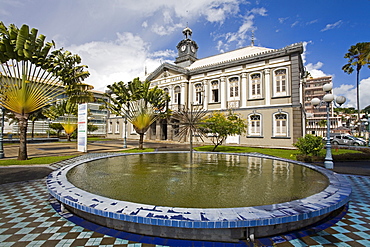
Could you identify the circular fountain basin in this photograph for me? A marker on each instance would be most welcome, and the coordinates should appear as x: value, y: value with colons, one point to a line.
x: 84, y: 188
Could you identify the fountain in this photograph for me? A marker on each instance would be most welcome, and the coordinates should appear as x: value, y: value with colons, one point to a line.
x: 180, y: 203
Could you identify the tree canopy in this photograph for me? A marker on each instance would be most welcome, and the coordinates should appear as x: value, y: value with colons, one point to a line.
x: 219, y: 126
x: 138, y: 103
x: 358, y: 56
x: 32, y: 76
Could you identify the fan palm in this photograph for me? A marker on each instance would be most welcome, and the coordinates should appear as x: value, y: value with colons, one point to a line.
x: 66, y: 109
x: 31, y: 76
x: 137, y: 102
x: 358, y: 56
x: 141, y: 115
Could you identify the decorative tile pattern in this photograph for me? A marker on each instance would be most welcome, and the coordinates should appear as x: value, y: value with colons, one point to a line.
x: 27, y: 219
x: 333, y: 197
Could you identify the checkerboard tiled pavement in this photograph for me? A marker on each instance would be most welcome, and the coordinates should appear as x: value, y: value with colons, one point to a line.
x: 27, y: 219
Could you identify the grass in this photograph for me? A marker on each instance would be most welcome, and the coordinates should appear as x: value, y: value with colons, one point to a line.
x: 282, y: 153
x: 35, y: 161
x: 136, y: 150
x: 53, y: 159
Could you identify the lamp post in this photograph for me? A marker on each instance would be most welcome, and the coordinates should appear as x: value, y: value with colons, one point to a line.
x: 125, y: 133
x: 327, y: 99
x: 2, y: 133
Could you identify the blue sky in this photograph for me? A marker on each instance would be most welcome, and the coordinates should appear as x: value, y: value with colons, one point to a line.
x: 118, y: 39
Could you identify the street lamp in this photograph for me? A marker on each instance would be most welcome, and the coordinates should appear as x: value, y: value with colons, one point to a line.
x: 2, y: 133
x: 327, y: 99
x: 125, y: 132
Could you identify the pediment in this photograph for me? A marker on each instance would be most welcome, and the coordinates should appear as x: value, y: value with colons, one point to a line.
x: 167, y: 70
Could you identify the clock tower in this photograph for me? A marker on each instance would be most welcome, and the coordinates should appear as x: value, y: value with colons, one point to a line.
x: 187, y: 49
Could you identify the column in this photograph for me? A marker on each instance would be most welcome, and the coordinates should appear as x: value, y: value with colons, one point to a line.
x: 191, y: 92
x: 267, y: 87
x: 244, y: 86
x: 183, y: 95
x: 223, y: 93
x: 206, y: 94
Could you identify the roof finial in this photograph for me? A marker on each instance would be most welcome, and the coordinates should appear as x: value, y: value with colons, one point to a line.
x: 187, y: 32
x: 252, y: 38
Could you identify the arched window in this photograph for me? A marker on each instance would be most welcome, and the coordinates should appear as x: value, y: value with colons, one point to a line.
x: 215, y: 91
x: 110, y: 127
x: 281, y: 124
x: 254, y: 125
x: 234, y: 87
x: 177, y: 98
x: 117, y: 127
x: 255, y: 85
x: 280, y: 82
x: 198, y: 93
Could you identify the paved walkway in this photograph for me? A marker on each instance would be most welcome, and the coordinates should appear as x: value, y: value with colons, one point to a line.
x: 28, y: 219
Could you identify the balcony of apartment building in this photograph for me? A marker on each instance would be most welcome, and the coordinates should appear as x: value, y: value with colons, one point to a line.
x: 316, y: 125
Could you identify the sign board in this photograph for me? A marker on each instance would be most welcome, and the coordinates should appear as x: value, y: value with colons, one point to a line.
x: 82, y: 128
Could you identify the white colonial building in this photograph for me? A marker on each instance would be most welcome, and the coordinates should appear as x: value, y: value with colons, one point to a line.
x: 263, y: 85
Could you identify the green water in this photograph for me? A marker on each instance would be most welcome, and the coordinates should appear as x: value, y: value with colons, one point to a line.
x: 212, y: 181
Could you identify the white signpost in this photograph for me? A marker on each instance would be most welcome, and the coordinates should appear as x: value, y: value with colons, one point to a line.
x: 82, y: 128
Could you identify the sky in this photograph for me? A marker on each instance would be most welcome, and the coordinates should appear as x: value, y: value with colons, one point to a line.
x: 119, y: 39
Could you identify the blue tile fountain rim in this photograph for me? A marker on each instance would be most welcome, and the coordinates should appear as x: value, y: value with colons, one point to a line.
x: 336, y: 195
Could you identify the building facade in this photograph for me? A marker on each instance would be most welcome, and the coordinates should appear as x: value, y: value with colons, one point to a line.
x: 316, y: 116
x: 97, y: 117
x: 263, y: 85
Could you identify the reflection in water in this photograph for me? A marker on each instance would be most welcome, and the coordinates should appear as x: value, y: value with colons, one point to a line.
x: 213, y: 181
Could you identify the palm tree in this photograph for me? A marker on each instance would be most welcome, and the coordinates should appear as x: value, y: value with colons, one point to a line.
x: 141, y: 115
x: 31, y: 76
x: 66, y: 109
x: 358, y: 56
x: 136, y: 101
x: 34, y: 116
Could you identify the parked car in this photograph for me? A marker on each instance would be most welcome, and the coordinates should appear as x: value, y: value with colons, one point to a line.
x: 345, y: 139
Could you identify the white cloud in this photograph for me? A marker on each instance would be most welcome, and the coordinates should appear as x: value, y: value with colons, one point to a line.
x: 311, y: 22
x: 282, y: 20
x: 240, y: 37
x: 295, y: 24
x: 218, y: 11
x: 350, y: 92
x: 305, y: 52
x: 332, y: 26
x: 314, y: 69
x: 168, y: 26
x: 120, y: 60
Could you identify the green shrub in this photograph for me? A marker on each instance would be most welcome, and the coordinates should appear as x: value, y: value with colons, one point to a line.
x: 309, y: 145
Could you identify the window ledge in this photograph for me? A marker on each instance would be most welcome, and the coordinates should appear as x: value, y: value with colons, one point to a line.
x: 253, y: 99
x: 282, y: 96
x: 280, y: 137
x: 255, y: 137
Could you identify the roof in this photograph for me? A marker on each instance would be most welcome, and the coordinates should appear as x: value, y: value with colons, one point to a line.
x: 228, y: 56
x: 232, y: 58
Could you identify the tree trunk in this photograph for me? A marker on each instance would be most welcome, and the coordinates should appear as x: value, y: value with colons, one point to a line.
x: 22, y: 154
x: 141, y: 141
x: 358, y: 101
